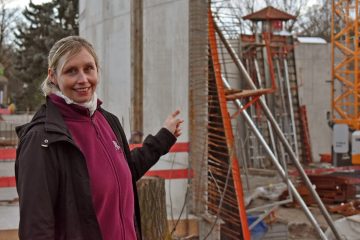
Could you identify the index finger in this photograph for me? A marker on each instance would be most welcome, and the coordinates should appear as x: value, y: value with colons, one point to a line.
x: 177, y: 112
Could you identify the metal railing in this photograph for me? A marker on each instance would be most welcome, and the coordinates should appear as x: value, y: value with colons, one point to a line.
x: 8, y: 123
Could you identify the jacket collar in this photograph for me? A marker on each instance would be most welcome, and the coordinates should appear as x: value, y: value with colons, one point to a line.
x: 54, y: 122
x: 54, y: 125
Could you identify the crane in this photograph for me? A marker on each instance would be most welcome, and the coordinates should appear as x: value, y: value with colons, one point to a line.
x: 345, y: 87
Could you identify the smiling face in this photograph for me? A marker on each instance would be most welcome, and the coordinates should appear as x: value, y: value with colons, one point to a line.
x: 76, y: 76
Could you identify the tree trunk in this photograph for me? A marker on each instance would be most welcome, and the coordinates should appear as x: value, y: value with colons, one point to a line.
x: 152, y: 201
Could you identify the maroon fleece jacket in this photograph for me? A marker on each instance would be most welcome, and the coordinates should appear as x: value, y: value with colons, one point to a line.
x: 110, y: 176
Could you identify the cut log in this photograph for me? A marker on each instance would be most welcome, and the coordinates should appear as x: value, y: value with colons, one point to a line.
x: 152, y: 201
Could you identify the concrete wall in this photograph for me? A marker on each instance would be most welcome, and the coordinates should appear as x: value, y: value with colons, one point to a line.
x: 166, y: 82
x: 107, y: 24
x: 313, y: 68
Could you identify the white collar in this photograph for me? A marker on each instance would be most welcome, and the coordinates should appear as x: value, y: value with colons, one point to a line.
x: 91, y: 105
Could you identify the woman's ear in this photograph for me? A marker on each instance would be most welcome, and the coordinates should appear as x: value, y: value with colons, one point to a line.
x: 52, y: 76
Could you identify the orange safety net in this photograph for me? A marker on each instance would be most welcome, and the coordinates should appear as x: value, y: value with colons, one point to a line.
x: 221, y: 147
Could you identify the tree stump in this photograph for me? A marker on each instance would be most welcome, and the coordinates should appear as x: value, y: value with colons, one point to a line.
x: 154, y: 225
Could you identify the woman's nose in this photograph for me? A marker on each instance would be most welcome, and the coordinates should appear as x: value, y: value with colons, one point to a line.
x: 82, y: 78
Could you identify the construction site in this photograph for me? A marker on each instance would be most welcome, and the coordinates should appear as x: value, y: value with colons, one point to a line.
x: 271, y: 138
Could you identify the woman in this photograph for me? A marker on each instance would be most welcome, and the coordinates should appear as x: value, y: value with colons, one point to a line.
x: 75, y: 174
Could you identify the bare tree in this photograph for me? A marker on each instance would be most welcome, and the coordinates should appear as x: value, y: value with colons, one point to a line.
x: 8, y: 22
x: 8, y: 19
x: 316, y: 22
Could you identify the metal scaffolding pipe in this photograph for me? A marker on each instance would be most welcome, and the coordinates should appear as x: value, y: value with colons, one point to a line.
x: 252, y: 125
x: 292, y: 117
x: 271, y: 133
x: 279, y: 134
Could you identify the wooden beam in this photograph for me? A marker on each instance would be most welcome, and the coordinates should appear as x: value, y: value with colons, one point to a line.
x: 233, y: 95
x: 136, y: 70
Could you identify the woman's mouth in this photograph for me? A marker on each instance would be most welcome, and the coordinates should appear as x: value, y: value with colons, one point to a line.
x: 82, y: 90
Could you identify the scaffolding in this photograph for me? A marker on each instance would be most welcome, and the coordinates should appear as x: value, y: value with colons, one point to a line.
x: 220, y: 189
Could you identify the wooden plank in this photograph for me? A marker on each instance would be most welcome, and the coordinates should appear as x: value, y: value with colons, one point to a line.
x: 172, y: 173
x: 176, y: 148
x: 9, y: 234
x: 7, y: 153
x: 247, y: 93
x: 7, y: 182
x: 10, y: 153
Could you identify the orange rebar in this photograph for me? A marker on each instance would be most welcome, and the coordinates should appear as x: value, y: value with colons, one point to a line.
x: 228, y: 129
x: 246, y: 106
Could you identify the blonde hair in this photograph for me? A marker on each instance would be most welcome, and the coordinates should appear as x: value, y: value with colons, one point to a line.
x: 65, y: 48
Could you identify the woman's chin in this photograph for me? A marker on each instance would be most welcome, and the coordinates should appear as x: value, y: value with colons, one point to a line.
x: 82, y: 98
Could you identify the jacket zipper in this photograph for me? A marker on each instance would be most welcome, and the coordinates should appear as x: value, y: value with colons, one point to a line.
x: 111, y: 162
x: 84, y: 159
x: 116, y: 176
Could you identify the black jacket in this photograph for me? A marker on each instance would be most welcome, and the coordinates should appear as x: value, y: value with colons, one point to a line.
x: 53, y: 182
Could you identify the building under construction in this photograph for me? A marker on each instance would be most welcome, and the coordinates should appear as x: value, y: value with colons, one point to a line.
x: 255, y: 105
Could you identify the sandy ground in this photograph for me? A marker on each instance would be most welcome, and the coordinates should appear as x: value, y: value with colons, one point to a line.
x: 298, y: 224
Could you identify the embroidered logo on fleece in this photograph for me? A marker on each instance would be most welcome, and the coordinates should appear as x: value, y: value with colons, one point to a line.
x: 116, y: 145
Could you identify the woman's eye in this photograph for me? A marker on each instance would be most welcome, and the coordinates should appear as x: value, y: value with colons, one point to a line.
x: 71, y: 71
x: 89, y: 68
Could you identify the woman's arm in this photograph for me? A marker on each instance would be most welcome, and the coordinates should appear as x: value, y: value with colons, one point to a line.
x: 155, y: 146
x: 37, y: 185
x: 143, y: 158
x: 152, y: 149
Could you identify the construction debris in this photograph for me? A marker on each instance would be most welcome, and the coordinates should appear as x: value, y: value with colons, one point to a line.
x: 346, y: 209
x: 333, y: 188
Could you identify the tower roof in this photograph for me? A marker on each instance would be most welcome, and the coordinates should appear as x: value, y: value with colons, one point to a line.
x: 269, y: 13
